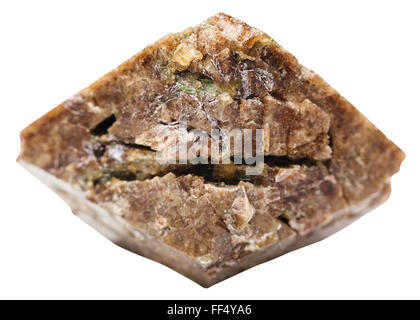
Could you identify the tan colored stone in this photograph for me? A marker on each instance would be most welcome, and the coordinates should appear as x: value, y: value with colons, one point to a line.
x: 325, y: 163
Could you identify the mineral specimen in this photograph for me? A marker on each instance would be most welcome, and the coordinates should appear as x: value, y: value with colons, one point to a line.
x: 324, y: 164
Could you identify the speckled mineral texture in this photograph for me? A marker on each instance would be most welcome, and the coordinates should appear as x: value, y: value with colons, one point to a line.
x: 325, y: 163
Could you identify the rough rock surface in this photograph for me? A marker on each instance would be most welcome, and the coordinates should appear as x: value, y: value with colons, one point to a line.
x: 325, y: 163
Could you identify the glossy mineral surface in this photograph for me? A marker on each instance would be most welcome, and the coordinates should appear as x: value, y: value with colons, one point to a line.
x: 325, y: 163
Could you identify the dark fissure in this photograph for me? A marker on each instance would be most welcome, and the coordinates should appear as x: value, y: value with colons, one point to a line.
x: 218, y: 174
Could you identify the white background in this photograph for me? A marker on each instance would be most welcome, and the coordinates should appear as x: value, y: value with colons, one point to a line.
x: 369, y: 51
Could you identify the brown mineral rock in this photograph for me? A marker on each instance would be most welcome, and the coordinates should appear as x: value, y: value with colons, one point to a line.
x: 324, y: 164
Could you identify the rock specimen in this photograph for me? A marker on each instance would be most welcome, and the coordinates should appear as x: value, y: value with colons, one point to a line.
x: 325, y: 164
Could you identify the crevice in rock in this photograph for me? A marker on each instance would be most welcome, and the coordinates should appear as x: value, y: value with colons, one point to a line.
x: 102, y: 127
x: 285, y: 161
x: 286, y: 221
x: 218, y: 174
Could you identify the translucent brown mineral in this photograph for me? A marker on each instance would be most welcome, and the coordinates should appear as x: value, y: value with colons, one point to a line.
x: 325, y: 164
